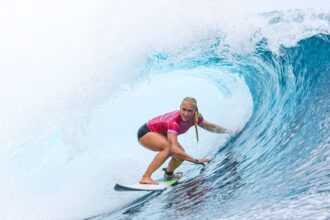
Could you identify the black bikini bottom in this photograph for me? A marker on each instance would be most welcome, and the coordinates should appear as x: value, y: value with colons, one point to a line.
x: 142, y: 131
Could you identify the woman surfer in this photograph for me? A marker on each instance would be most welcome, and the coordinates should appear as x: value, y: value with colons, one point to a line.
x: 160, y: 135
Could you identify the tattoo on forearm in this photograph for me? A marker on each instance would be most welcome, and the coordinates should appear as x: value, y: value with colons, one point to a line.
x: 213, y: 128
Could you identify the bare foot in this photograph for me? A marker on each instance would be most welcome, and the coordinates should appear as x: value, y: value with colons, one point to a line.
x: 148, y: 180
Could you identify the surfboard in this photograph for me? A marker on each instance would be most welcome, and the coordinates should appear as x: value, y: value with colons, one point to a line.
x: 163, y: 184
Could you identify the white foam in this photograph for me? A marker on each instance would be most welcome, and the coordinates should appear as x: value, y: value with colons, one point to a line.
x: 66, y: 74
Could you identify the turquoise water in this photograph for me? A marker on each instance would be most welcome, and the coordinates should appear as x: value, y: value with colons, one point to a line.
x: 78, y: 78
x: 277, y: 166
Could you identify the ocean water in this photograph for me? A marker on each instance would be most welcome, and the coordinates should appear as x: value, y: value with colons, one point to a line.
x: 77, y: 79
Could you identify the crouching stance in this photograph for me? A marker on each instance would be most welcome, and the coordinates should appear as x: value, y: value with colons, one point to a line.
x: 160, y: 135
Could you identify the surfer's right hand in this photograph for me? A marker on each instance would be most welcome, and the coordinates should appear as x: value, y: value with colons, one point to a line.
x: 202, y: 161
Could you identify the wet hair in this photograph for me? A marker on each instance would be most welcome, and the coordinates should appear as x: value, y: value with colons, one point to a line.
x: 192, y: 101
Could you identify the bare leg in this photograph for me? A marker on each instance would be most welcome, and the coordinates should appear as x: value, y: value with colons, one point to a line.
x: 158, y: 160
x: 155, y: 142
x: 174, y: 163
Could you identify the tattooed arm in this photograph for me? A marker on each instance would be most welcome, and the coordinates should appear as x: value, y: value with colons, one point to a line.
x: 214, y: 128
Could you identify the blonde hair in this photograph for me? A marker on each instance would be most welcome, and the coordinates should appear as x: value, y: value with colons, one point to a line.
x: 192, y: 101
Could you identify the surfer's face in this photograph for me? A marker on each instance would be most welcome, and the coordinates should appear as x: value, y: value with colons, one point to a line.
x: 187, y: 111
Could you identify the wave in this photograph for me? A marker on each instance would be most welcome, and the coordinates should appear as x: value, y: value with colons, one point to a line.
x: 75, y: 89
x: 277, y: 164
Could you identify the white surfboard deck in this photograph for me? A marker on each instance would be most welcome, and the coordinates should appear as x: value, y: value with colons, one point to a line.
x: 163, y: 184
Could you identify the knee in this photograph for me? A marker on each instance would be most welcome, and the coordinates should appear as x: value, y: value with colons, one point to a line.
x: 167, y: 150
x: 174, y: 151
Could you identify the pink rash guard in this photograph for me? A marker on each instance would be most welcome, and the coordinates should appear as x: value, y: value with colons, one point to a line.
x: 171, y: 123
